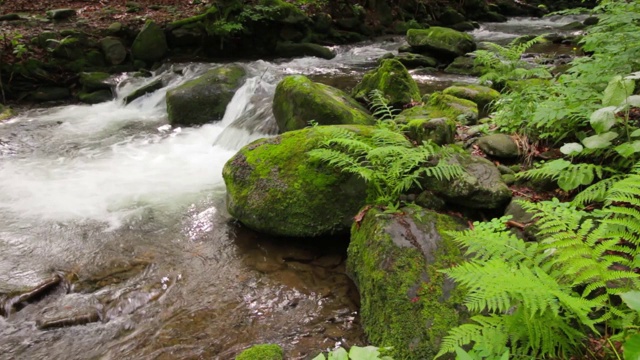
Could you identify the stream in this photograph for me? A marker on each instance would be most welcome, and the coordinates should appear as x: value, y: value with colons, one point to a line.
x: 116, y: 244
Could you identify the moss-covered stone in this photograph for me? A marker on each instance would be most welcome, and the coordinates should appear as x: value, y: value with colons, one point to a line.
x: 261, y: 352
x: 95, y: 97
x: 5, y: 112
x: 444, y: 43
x: 463, y: 65
x: 464, y: 111
x: 412, y: 61
x: 498, y: 145
x: 304, y: 49
x: 274, y: 187
x: 47, y: 93
x: 298, y: 101
x: 143, y: 90
x: 393, y: 80
x: 423, y: 112
x: 113, y: 49
x: 60, y: 14
x: 480, y: 187
x: 150, y: 44
x: 205, y: 98
x: 439, y: 130
x: 481, y: 95
x: 92, y: 81
x: 406, y: 303
x: 464, y: 26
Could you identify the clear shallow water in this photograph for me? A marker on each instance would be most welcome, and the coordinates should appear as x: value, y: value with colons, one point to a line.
x: 129, y: 212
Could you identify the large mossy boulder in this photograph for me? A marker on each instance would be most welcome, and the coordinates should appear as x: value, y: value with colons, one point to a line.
x: 498, y: 145
x: 261, y: 352
x: 393, y: 80
x: 481, y: 95
x: 443, y: 43
x: 441, y: 131
x: 274, y: 187
x: 151, y: 43
x: 298, y: 101
x: 412, y: 61
x: 113, y: 49
x: 205, y: 98
x: 395, y: 261
x: 481, y: 186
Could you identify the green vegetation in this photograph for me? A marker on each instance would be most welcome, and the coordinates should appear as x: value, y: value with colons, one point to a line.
x: 262, y: 352
x: 355, y: 353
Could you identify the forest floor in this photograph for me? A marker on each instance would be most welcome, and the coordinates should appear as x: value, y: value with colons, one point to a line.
x: 93, y: 14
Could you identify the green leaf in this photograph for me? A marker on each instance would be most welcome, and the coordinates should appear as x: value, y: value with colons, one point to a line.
x: 632, y: 348
x: 339, y: 354
x: 635, y: 133
x: 505, y: 356
x: 628, y: 149
x: 632, y: 299
x: 462, y: 355
x: 571, y: 149
x: 319, y: 357
x: 603, y: 119
x: 617, y: 91
x: 600, y: 141
x: 364, y: 353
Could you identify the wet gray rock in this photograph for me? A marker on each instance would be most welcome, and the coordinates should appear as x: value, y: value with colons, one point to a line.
x: 60, y: 14
x: 70, y: 310
x: 144, y: 90
x: 151, y: 43
x: 499, y: 146
x: 481, y: 187
x: 113, y: 49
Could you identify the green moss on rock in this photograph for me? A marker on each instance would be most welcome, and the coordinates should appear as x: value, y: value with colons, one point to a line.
x: 463, y: 65
x: 150, y: 44
x: 92, y: 81
x: 205, y: 98
x: 298, y: 101
x: 439, y: 130
x: 464, y: 111
x: 406, y: 303
x: 274, y: 187
x: 261, y: 352
x: 95, y: 97
x: 393, y: 80
x: 481, y: 95
x: 444, y: 43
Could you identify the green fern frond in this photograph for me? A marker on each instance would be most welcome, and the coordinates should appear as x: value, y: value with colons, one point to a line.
x: 380, y: 107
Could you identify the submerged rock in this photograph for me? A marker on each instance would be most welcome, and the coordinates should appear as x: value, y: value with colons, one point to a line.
x: 299, y: 101
x: 205, y: 98
x: 394, y: 260
x: 481, y: 186
x: 444, y: 43
x: 261, y: 352
x: 304, y: 49
x: 273, y: 187
x: 393, y: 80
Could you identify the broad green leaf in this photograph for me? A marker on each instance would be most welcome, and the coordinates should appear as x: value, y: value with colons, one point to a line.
x: 319, y: 357
x: 633, y: 100
x: 600, y: 141
x: 568, y: 183
x: 505, y: 356
x: 603, y: 119
x: 628, y: 149
x: 339, y: 354
x: 571, y: 149
x: 364, y: 353
x: 462, y: 355
x: 617, y: 91
x: 632, y: 299
x: 631, y: 348
x: 635, y: 133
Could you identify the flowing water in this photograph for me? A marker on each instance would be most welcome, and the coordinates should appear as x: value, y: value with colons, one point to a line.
x: 115, y: 242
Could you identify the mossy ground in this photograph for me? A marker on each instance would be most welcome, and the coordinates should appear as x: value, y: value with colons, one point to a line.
x: 406, y: 303
x: 261, y: 352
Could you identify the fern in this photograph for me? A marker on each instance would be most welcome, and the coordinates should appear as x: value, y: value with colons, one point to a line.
x: 569, y: 176
x: 529, y: 296
x: 380, y: 107
x: 386, y: 160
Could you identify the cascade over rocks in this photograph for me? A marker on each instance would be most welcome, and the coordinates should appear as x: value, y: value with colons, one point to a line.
x: 393, y: 80
x: 298, y: 101
x: 394, y: 260
x: 205, y: 98
x: 273, y: 187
